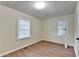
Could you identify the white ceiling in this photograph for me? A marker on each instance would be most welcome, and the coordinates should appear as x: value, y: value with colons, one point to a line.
x: 53, y: 8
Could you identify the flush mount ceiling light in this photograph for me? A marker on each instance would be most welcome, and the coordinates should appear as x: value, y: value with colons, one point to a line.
x: 40, y: 5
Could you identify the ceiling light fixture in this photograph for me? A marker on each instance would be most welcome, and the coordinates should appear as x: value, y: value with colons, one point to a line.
x: 40, y: 5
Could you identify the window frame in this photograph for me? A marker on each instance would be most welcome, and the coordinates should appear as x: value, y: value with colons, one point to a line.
x: 66, y: 28
x: 22, y: 18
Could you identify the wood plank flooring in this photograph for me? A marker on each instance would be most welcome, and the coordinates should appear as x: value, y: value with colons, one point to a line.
x: 44, y: 49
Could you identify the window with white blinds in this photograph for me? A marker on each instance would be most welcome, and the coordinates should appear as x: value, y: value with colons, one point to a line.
x: 23, y: 29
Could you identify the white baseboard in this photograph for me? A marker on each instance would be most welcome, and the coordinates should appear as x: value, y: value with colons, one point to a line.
x: 57, y: 42
x: 71, y: 45
x: 75, y: 53
x: 52, y: 41
x: 18, y: 48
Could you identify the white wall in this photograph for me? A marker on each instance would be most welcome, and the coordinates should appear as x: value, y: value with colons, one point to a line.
x: 76, y: 46
x: 49, y: 32
x: 8, y: 29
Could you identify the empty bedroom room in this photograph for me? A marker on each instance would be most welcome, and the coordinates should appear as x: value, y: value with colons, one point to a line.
x: 39, y: 29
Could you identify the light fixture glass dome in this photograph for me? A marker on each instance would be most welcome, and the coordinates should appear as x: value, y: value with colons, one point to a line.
x: 40, y: 5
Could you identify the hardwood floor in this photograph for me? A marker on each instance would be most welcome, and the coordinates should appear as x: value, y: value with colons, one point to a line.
x: 44, y: 49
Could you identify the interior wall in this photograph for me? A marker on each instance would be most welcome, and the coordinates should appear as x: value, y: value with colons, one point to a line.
x: 50, y: 30
x: 8, y: 29
x: 76, y: 46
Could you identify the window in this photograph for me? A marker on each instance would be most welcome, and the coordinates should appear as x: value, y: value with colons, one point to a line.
x: 23, y: 29
x: 62, y: 28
